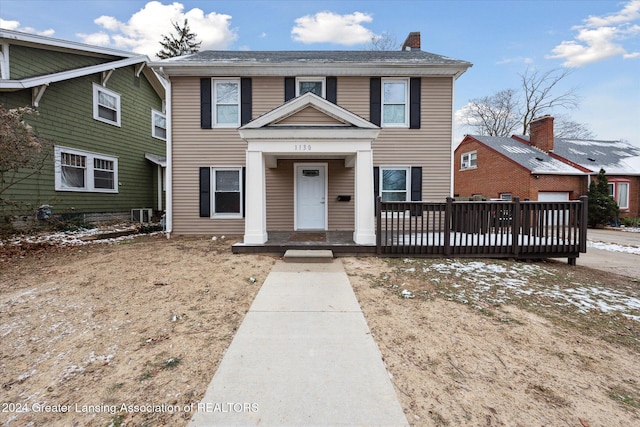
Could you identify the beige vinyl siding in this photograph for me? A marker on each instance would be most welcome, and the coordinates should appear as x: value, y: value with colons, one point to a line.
x: 192, y: 148
x: 309, y: 116
x: 280, y: 194
x: 268, y: 93
x: 429, y: 147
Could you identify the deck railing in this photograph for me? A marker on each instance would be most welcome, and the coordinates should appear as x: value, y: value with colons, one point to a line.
x: 500, y: 229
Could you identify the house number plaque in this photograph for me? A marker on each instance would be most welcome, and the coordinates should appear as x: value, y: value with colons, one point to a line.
x: 302, y: 147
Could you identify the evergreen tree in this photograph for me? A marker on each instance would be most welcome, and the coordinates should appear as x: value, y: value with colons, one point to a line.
x: 602, y: 207
x: 182, y: 44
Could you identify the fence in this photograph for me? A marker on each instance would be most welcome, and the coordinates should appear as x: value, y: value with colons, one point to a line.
x: 499, y: 229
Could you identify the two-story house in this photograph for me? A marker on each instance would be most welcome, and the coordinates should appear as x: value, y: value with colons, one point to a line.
x: 305, y: 140
x: 103, y: 110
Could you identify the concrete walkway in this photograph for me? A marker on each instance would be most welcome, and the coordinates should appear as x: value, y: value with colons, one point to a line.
x: 303, y: 355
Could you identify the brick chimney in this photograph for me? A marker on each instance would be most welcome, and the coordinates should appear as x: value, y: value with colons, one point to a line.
x: 412, y: 42
x: 541, y: 133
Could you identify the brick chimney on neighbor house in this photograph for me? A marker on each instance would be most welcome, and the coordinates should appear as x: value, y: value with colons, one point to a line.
x: 541, y: 133
x: 412, y: 42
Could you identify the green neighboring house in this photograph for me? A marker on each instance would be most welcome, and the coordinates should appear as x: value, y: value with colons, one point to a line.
x: 103, y: 110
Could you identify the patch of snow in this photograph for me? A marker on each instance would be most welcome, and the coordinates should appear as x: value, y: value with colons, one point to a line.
x: 407, y: 294
x: 614, y: 247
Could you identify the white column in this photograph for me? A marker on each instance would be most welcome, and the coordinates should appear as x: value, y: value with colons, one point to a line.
x: 365, y: 233
x: 255, y: 221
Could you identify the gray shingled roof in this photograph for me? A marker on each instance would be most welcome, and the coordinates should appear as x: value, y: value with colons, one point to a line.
x: 532, y: 158
x: 320, y: 56
x: 615, y: 157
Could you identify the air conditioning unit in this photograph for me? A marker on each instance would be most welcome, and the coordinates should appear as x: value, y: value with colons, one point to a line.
x: 141, y: 215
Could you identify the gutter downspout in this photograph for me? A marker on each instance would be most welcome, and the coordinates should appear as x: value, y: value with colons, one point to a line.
x: 169, y: 172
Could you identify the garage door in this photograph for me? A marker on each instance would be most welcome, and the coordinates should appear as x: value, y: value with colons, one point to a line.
x: 557, y: 217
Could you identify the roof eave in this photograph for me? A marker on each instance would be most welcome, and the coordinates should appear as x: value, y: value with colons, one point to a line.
x: 309, y: 68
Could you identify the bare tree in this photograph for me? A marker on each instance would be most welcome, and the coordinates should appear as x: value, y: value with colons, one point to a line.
x: 182, y: 44
x: 384, y: 42
x: 511, y: 110
x: 564, y: 127
x: 540, y: 96
x: 24, y: 155
x: 493, y: 115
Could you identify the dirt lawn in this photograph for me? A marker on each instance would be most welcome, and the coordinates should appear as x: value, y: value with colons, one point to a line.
x: 131, y: 333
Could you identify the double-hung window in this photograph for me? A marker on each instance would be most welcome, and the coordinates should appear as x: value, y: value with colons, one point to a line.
x: 469, y: 160
x: 395, y: 103
x: 395, y: 184
x: 158, y: 125
x: 619, y: 190
x: 226, y: 103
x: 106, y: 105
x: 227, y: 192
x: 77, y: 170
x: 315, y: 85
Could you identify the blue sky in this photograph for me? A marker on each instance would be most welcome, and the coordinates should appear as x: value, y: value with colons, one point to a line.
x: 598, y: 40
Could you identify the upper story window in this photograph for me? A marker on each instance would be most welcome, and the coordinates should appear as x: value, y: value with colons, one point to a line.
x: 315, y: 85
x: 395, y: 105
x: 226, y: 103
x: 469, y: 160
x: 77, y: 170
x: 394, y: 184
x: 619, y: 190
x: 106, y: 105
x: 158, y: 125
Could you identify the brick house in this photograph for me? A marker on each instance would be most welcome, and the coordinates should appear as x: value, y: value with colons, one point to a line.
x: 260, y: 142
x: 544, y: 168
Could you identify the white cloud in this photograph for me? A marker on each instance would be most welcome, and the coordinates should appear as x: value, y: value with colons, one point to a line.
x: 329, y: 27
x: 143, y: 32
x: 15, y: 26
x: 601, y: 38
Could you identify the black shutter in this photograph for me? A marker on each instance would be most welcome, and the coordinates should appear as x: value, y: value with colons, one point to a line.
x: 375, y: 100
x: 416, y: 188
x: 205, y: 103
x: 376, y: 188
x: 414, y: 102
x: 244, y: 190
x: 289, y: 88
x: 205, y: 192
x: 245, y: 100
x: 332, y: 89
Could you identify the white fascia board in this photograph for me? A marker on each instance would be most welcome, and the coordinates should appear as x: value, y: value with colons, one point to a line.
x: 33, y: 39
x: 68, y: 75
x: 311, y: 69
x: 305, y: 133
x: 318, y: 147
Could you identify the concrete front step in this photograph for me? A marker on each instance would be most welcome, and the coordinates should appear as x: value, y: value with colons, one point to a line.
x: 308, y: 255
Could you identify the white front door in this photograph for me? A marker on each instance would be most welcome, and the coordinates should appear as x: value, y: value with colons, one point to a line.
x: 311, y: 196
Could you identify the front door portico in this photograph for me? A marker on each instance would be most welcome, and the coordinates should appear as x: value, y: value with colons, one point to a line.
x: 349, y: 138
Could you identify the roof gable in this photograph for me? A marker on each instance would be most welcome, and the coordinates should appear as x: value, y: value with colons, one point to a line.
x: 322, y: 112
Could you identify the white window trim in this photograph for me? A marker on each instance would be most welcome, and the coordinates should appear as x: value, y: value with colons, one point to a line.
x: 624, y: 207
x: 89, y: 178
x: 407, y: 170
x: 322, y: 80
x: 214, y: 105
x: 155, y: 113
x: 96, y: 113
x: 507, y: 197
x: 225, y: 215
x: 466, y: 166
x: 406, y: 104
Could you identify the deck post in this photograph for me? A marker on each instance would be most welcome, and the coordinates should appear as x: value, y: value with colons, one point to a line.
x: 584, y: 219
x: 378, y: 225
x: 515, y: 226
x: 447, y: 226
